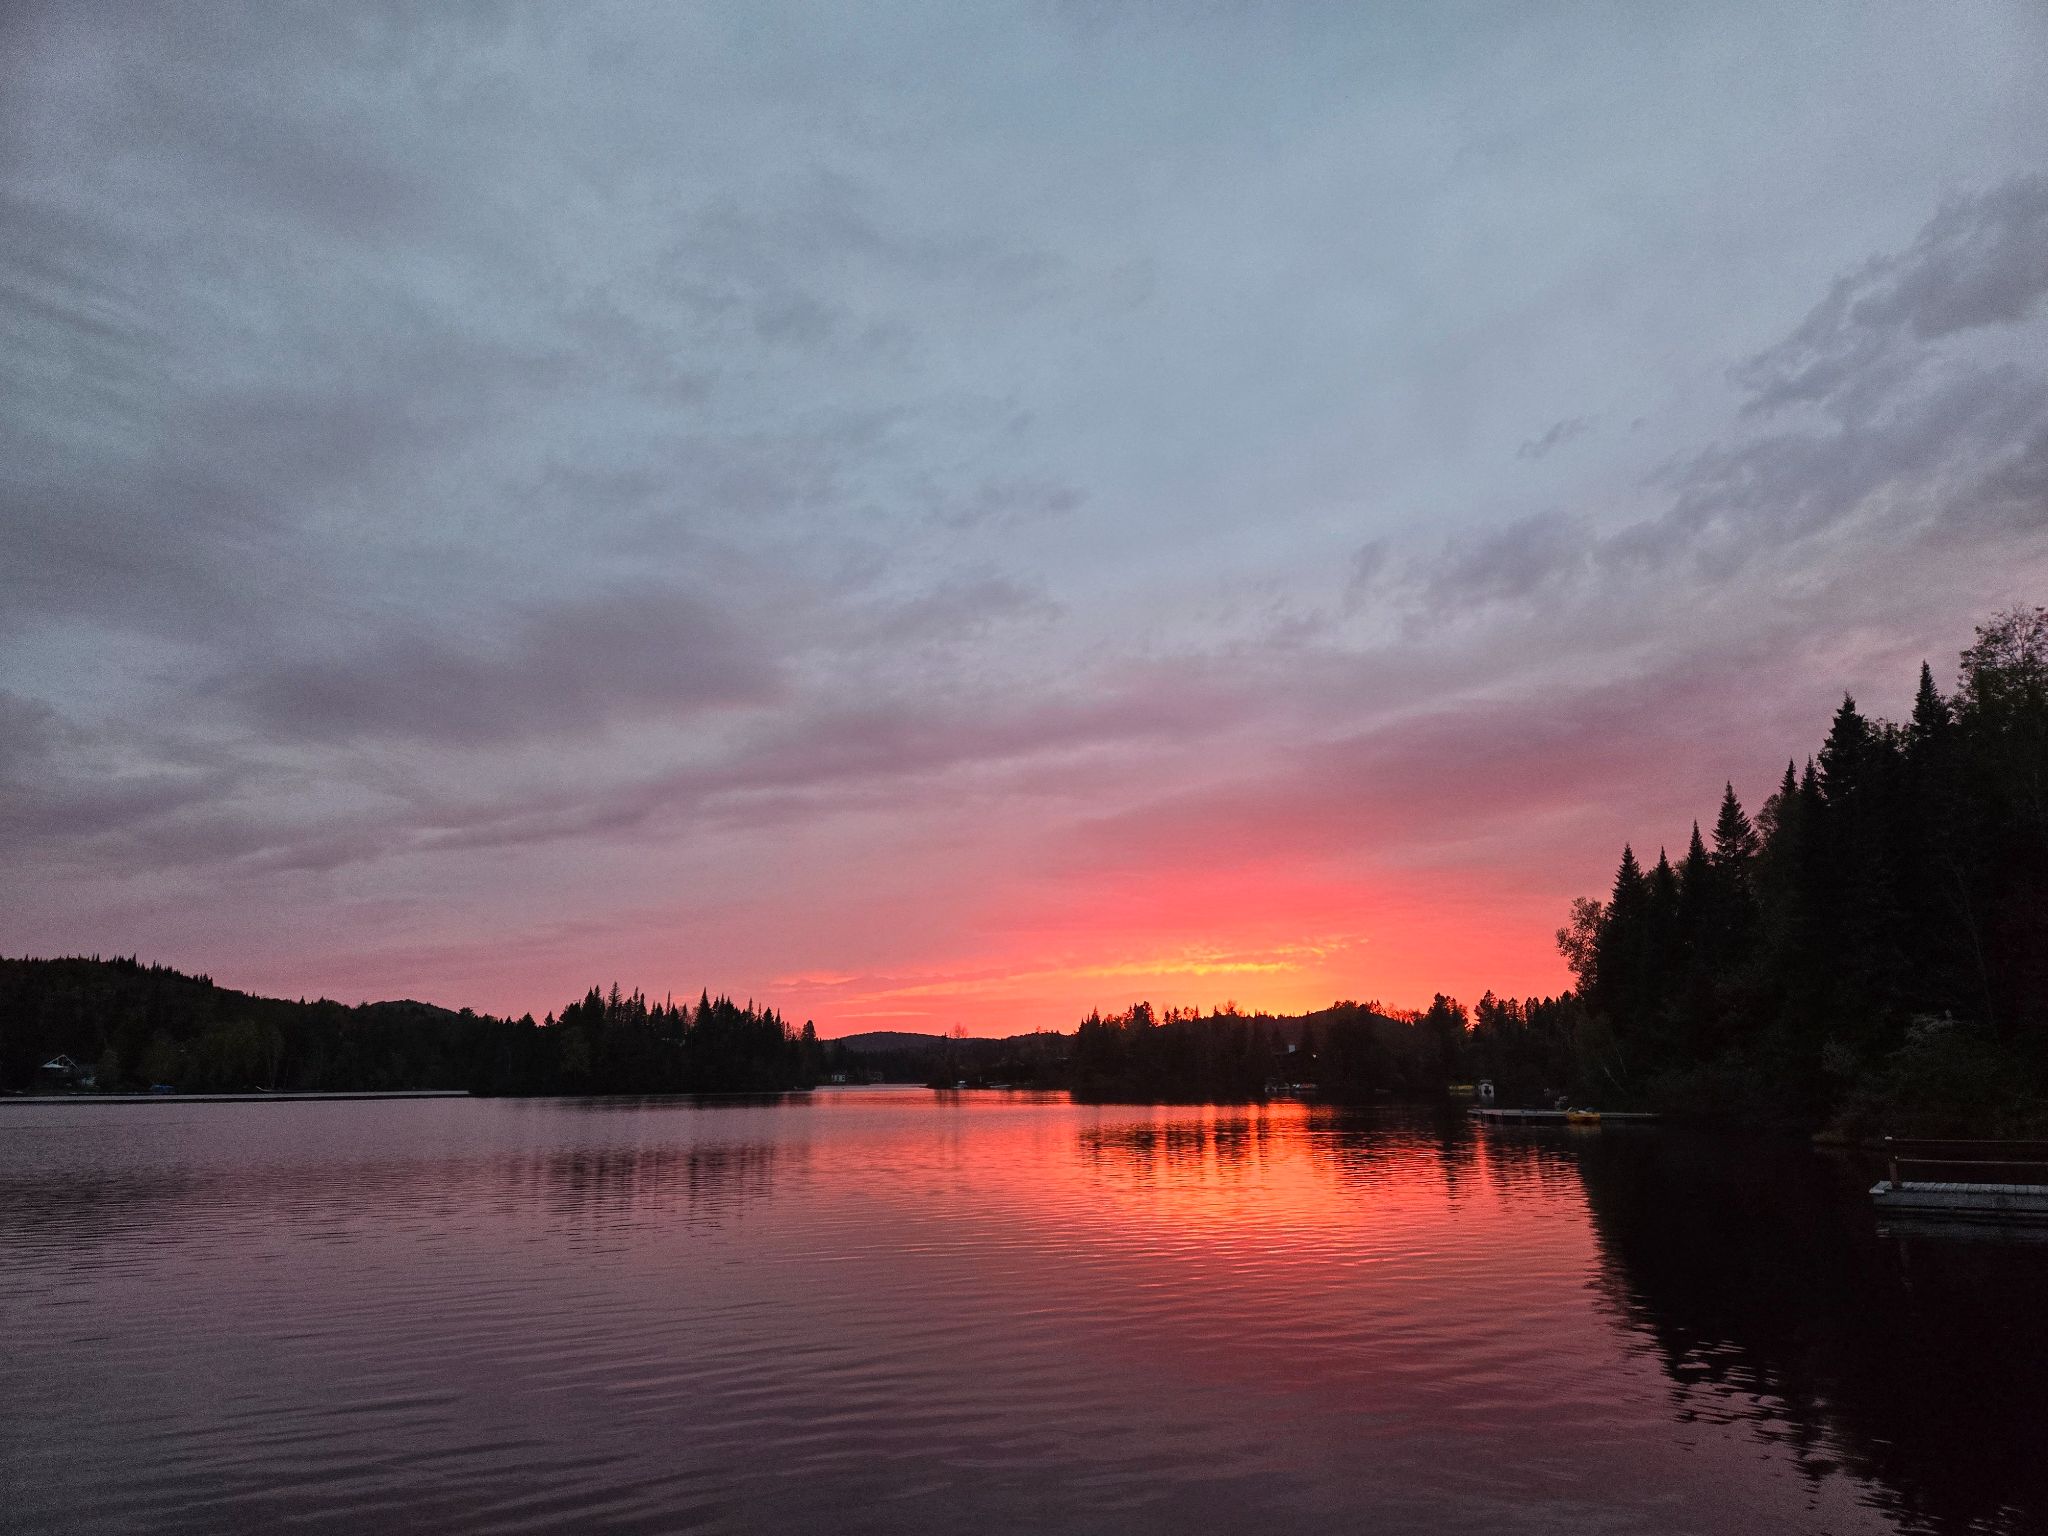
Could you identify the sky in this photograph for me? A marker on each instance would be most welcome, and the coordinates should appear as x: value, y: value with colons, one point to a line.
x: 932, y: 515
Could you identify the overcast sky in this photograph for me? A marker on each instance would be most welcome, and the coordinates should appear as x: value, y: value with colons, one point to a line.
x: 968, y: 512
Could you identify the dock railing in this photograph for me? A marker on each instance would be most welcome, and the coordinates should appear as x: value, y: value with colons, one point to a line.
x: 1965, y: 1162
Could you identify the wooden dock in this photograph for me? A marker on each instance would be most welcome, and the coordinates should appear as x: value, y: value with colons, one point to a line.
x: 1986, y: 1202
x: 1560, y: 1117
x: 1983, y: 1180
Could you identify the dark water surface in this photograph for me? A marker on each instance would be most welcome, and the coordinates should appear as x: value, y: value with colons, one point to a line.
x: 894, y: 1310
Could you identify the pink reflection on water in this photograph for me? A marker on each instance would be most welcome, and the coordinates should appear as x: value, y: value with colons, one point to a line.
x: 860, y: 1310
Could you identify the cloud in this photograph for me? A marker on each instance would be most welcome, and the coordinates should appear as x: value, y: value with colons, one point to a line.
x: 1509, y: 563
x: 1368, y: 565
x: 1913, y: 441
x: 561, y: 667
x: 2012, y: 495
x: 1556, y: 436
x: 65, y: 788
x: 887, y: 754
x: 1539, y: 775
x: 948, y: 613
x: 1908, y: 467
x: 795, y: 767
x: 30, y: 731
x: 1981, y: 261
x: 478, y: 462
x: 1008, y: 503
x: 137, y: 492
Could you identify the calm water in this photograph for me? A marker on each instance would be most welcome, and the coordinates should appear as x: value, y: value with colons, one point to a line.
x: 894, y: 1310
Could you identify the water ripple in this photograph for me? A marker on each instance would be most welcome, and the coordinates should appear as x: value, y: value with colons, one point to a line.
x: 880, y: 1311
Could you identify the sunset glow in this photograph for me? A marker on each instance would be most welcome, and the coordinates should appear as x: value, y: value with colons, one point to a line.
x: 1198, y: 510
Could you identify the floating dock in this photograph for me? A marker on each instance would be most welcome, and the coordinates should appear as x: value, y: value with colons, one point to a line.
x: 1990, y: 1191
x: 1977, y: 1202
x: 1562, y: 1116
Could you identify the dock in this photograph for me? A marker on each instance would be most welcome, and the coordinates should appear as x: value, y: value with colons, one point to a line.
x: 1561, y: 1117
x: 1983, y: 1180
x: 1984, y: 1202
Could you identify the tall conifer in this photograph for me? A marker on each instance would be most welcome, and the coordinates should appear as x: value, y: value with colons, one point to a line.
x: 1735, y: 839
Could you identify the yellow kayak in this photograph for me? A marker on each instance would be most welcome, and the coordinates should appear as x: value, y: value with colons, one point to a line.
x: 1582, y: 1117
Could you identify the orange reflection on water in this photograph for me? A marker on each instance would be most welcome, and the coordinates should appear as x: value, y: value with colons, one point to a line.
x: 868, y: 1311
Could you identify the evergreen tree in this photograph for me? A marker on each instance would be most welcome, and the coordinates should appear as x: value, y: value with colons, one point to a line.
x: 1856, y: 878
x: 1732, y: 926
x: 1701, y: 901
x: 1735, y: 840
x: 1696, y: 893
x: 1932, y: 720
x: 1664, y: 964
x: 1845, y: 756
x: 1621, y: 961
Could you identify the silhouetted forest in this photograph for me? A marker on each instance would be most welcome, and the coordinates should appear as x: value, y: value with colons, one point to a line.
x: 1870, y: 949
x: 131, y: 1026
x: 1348, y: 1053
x: 1183, y: 1057
x: 1134, y: 1056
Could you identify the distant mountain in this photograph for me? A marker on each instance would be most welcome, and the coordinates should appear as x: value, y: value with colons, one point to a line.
x: 1036, y: 1060
x: 877, y: 1041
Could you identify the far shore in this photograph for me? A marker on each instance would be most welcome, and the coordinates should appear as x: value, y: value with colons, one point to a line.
x: 224, y: 1098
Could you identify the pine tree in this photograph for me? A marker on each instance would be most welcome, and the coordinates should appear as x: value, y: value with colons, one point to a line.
x: 1932, y: 720
x: 1735, y: 840
x: 1701, y: 901
x: 1783, y: 883
x: 1628, y: 880
x: 1855, y: 874
x: 1731, y: 927
x: 1695, y: 867
x: 1620, y: 957
x: 1697, y: 900
x: 1666, y: 961
x: 1779, y: 805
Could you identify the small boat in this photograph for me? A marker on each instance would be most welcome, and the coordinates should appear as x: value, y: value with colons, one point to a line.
x: 1582, y: 1117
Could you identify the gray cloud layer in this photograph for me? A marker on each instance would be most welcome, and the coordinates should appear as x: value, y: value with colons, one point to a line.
x: 1981, y: 261
x: 449, y: 453
x: 1913, y: 439
x: 560, y: 667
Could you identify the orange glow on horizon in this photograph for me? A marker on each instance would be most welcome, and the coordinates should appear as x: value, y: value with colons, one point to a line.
x: 1273, y: 942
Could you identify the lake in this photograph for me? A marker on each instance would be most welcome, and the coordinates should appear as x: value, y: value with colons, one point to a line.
x: 893, y: 1310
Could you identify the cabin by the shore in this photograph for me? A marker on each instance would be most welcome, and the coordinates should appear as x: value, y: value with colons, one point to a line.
x: 61, y: 1072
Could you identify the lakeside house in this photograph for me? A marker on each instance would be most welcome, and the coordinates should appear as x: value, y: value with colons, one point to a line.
x: 60, y: 1072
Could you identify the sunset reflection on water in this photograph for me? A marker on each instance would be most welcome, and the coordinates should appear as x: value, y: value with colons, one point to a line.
x: 892, y: 1309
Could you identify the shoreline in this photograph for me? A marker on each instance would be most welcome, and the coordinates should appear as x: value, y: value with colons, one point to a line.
x: 47, y: 1099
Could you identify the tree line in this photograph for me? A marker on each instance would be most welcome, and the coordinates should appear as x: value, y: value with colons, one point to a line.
x: 135, y: 1027
x: 1350, y: 1052
x: 1870, y: 949
x: 1182, y: 1057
